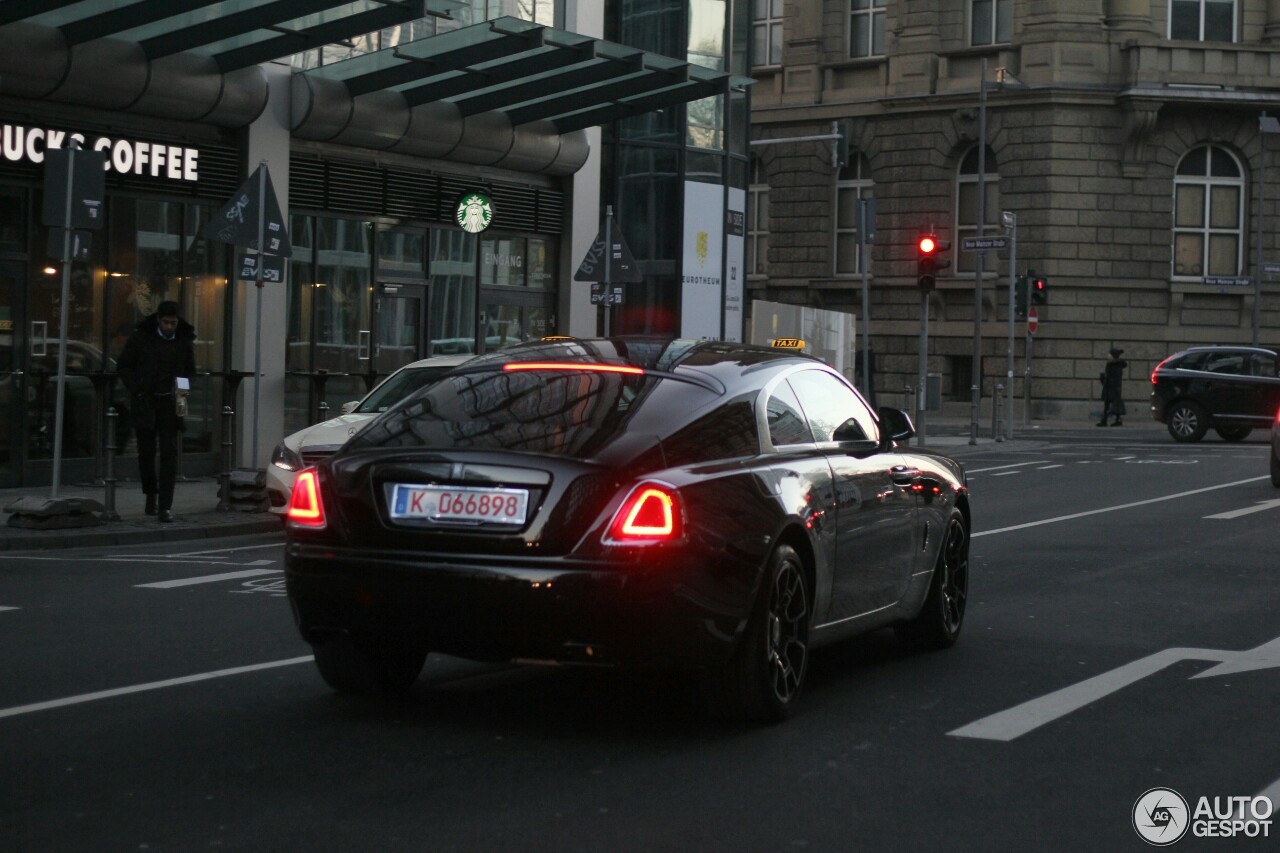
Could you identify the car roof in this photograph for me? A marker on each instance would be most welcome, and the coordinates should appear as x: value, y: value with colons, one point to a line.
x: 1226, y: 348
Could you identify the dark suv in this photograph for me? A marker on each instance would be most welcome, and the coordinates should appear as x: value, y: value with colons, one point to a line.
x: 1233, y: 389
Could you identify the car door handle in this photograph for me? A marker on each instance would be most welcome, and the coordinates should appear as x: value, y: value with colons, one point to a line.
x: 904, y: 476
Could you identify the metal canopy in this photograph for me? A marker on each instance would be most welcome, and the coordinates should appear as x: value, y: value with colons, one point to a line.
x: 235, y: 33
x: 531, y: 73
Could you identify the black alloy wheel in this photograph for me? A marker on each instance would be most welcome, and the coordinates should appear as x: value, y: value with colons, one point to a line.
x: 938, y: 624
x: 1233, y: 433
x: 763, y: 680
x: 376, y: 666
x: 1187, y: 422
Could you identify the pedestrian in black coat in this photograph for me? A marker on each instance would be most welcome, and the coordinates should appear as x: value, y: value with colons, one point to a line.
x: 1112, y: 378
x: 159, y: 352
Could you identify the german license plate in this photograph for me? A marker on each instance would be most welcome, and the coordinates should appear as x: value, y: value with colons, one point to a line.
x: 459, y: 504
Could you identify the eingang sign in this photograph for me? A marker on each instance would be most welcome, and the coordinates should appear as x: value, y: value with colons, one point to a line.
x: 156, y: 159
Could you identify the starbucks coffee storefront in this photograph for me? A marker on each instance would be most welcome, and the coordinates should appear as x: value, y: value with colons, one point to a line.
x: 428, y: 159
x: 160, y: 192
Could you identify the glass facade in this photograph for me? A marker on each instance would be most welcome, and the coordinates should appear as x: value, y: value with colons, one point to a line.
x: 367, y: 297
x: 652, y: 160
x: 148, y: 251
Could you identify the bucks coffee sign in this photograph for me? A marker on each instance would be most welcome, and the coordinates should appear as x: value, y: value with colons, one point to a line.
x: 19, y: 143
x: 474, y: 212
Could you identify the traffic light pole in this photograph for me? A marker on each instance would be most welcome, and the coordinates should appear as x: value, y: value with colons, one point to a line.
x: 922, y: 381
x: 1011, y: 222
x: 975, y: 392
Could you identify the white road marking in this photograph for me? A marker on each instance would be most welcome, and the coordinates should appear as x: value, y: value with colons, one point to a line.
x: 8, y: 608
x: 1076, y: 515
x: 1259, y: 506
x: 1272, y: 792
x: 1020, y: 719
x: 142, y: 688
x: 1006, y: 473
x: 1002, y: 467
x: 1047, y: 467
x: 226, y: 576
x: 229, y: 550
x: 1123, y: 458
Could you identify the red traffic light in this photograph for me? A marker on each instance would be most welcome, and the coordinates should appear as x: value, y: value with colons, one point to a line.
x: 927, y: 244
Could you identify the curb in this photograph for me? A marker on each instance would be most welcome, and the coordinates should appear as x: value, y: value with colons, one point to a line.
x: 113, y: 534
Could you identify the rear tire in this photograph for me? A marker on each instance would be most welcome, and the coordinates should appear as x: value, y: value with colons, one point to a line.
x: 938, y: 624
x: 1233, y: 433
x: 1187, y: 422
x: 368, y: 665
x: 1275, y: 470
x: 763, y: 680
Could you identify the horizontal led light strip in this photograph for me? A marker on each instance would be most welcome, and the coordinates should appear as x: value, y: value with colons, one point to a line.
x: 573, y: 365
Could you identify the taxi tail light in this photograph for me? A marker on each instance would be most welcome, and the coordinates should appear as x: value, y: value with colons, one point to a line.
x: 650, y: 514
x: 306, y: 509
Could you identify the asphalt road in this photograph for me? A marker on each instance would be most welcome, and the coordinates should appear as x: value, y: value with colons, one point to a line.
x: 163, y: 701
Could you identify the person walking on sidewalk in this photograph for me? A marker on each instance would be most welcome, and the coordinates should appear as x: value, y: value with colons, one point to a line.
x: 1112, y: 378
x: 156, y: 362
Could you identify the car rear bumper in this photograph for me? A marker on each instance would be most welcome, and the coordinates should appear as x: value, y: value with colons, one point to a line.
x: 565, y: 613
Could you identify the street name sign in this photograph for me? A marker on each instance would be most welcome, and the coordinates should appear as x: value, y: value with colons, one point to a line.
x: 1227, y: 281
x: 981, y: 244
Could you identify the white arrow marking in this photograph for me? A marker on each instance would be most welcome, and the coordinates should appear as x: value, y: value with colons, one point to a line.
x: 1017, y: 721
x: 226, y: 576
x: 1249, y: 510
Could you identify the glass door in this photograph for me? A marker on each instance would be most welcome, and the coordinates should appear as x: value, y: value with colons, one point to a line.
x: 401, y: 326
x: 12, y: 379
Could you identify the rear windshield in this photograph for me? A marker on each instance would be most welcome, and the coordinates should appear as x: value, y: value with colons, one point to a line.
x: 583, y: 415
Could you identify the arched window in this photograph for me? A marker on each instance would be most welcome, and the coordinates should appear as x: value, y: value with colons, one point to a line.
x: 757, y: 220
x: 1208, y: 214
x: 853, y: 184
x: 967, y: 205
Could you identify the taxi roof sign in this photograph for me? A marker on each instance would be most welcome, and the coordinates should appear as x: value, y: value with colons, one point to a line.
x: 787, y: 343
x: 556, y: 338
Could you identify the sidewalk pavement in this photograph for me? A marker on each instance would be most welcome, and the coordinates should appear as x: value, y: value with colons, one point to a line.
x: 197, y: 517
x: 195, y: 509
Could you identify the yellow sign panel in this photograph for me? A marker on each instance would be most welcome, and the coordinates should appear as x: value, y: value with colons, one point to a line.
x: 6, y: 325
x: 787, y: 343
x: 556, y: 338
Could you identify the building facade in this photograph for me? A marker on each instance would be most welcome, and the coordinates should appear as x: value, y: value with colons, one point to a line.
x: 441, y: 177
x: 1126, y: 137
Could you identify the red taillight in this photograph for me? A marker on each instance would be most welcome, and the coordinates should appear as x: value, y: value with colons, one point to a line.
x: 651, y: 513
x: 573, y: 365
x: 305, y: 507
x: 1157, y: 370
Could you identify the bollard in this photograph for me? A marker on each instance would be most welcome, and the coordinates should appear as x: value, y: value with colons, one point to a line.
x: 109, y: 497
x: 228, y: 445
x: 995, y: 414
x: 322, y: 411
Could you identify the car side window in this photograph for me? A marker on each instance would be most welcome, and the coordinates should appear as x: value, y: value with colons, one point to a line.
x: 786, y: 421
x: 1263, y: 365
x: 1194, y: 361
x: 834, y: 410
x: 1228, y: 363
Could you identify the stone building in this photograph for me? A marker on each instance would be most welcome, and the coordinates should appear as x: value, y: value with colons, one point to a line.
x: 1127, y: 136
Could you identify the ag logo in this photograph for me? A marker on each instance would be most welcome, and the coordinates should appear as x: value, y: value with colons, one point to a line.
x: 474, y: 212
x: 1161, y: 816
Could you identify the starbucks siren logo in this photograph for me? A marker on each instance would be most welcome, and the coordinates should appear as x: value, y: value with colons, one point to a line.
x: 474, y: 213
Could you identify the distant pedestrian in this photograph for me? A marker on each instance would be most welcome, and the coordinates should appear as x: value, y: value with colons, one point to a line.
x: 1112, y: 378
x: 157, y: 362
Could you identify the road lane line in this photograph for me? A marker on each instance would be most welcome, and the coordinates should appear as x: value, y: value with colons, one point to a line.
x: 8, y: 608
x: 1002, y: 467
x: 1047, y: 467
x: 226, y: 576
x: 1272, y: 792
x: 142, y: 688
x: 229, y: 550
x: 1006, y: 473
x: 1076, y: 515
